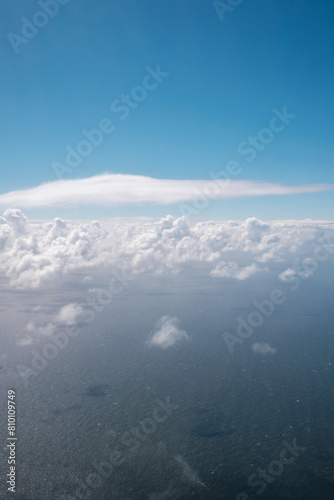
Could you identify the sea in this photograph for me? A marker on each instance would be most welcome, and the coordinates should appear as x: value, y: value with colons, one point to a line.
x: 217, y: 415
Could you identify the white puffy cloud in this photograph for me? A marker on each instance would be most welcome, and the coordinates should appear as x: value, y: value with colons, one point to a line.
x: 17, y: 220
x: 232, y: 270
x: 35, y: 253
x: 287, y: 274
x: 112, y: 189
x: 44, y: 329
x: 303, y: 273
x: 68, y: 315
x: 167, y: 333
x: 263, y: 348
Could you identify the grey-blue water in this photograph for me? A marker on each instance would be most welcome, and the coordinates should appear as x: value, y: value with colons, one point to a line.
x: 111, y: 418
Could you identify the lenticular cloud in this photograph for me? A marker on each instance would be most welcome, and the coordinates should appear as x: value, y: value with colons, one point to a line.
x: 116, y: 189
x: 32, y: 253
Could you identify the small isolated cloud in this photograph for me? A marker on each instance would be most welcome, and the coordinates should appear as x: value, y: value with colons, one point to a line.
x: 263, y: 348
x: 167, y: 333
x: 87, y: 279
x: 68, y: 315
x: 232, y: 270
x: 46, y: 329
x: 287, y: 275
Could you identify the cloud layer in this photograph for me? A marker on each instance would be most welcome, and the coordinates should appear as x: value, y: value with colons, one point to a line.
x: 32, y: 254
x: 114, y: 189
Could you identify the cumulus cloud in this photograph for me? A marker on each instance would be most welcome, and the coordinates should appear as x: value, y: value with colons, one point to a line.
x: 68, y: 315
x: 263, y: 348
x: 289, y: 273
x: 114, y: 189
x: 232, y: 270
x: 17, y: 220
x: 35, y: 253
x: 167, y: 333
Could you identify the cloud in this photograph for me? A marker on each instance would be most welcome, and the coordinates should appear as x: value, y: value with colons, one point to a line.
x: 232, y: 270
x: 17, y: 220
x: 87, y: 279
x: 115, y: 189
x: 263, y: 348
x: 36, y: 253
x: 68, y: 315
x: 167, y: 333
x: 291, y: 273
x: 287, y: 274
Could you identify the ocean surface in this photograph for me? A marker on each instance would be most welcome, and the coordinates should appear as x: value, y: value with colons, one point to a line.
x: 93, y: 422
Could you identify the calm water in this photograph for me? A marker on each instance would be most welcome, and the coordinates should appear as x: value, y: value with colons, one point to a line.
x: 231, y: 412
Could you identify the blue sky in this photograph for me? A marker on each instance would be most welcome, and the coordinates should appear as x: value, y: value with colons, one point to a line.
x: 225, y: 78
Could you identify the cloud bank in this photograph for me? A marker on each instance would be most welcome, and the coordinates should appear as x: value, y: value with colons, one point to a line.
x: 32, y: 254
x: 115, y: 189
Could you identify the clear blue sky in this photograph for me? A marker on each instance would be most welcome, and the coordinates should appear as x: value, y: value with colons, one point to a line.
x: 225, y: 77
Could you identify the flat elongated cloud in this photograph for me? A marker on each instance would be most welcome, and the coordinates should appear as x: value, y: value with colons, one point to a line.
x: 115, y: 189
x: 167, y: 333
